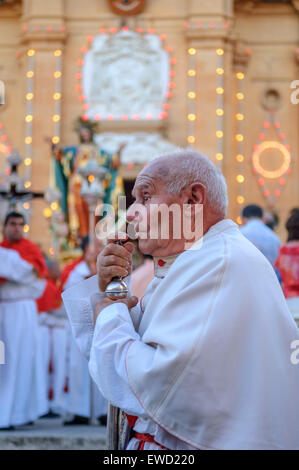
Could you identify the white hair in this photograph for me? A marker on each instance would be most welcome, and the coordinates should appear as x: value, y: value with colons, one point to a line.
x: 188, y: 167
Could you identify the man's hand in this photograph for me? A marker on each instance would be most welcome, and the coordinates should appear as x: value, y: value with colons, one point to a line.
x: 130, y: 302
x: 114, y: 260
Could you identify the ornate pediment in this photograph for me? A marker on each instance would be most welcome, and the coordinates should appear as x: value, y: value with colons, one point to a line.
x: 127, y: 7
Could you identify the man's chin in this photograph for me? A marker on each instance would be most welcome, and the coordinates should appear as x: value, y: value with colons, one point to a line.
x: 146, y: 247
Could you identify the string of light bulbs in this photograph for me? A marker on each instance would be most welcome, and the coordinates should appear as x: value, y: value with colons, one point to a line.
x: 240, y: 143
x: 191, y: 96
x: 220, y: 106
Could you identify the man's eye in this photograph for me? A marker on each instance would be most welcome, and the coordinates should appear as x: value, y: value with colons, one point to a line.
x: 146, y: 198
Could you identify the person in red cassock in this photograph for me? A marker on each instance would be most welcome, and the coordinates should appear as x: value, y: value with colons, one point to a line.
x: 24, y: 291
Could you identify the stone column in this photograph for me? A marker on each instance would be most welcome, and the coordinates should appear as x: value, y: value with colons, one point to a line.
x: 210, y: 30
x: 43, y: 32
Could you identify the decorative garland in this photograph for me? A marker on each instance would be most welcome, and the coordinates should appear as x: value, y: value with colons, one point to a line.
x: 281, y: 173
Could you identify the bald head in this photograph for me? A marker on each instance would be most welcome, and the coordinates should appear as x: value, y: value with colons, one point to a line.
x: 183, y: 168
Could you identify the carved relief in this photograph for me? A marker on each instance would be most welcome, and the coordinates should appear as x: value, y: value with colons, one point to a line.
x: 126, y: 74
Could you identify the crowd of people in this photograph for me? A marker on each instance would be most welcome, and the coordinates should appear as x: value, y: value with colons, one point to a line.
x: 45, y: 374
x: 259, y: 228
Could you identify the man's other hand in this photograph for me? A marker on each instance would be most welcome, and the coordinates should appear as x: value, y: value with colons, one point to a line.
x: 130, y: 302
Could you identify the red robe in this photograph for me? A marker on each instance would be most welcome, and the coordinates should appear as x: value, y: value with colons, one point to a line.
x: 288, y: 266
x: 30, y: 252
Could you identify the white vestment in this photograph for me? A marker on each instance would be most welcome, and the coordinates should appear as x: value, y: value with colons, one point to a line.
x: 20, y: 386
x: 206, y: 359
x: 77, y: 400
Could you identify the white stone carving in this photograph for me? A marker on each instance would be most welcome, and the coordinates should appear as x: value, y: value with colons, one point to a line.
x: 126, y: 74
x: 141, y: 147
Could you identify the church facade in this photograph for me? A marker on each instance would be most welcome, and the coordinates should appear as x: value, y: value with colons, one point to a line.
x: 220, y: 76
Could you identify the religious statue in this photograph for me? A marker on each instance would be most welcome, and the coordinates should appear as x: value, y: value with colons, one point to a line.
x: 68, y: 160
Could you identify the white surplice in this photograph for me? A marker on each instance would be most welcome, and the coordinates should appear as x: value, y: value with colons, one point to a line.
x: 20, y: 386
x: 77, y: 400
x: 205, y: 360
x: 53, y: 340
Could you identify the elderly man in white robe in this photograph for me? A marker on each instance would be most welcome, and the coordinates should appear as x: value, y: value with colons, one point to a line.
x: 206, y: 359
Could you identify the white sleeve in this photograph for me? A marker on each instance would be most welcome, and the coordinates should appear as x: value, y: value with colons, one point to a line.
x: 79, y: 301
x: 114, y: 332
x: 14, y: 268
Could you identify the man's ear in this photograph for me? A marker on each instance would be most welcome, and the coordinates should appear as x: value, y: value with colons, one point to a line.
x: 194, y: 194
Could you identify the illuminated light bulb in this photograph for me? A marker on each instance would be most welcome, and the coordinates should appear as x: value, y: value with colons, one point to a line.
x: 219, y: 134
x: 219, y: 91
x: 57, y: 53
x: 191, y: 73
x: 30, y: 74
x: 240, y: 96
x: 191, y: 95
x: 57, y: 74
x: 191, y: 117
x: 55, y: 139
x: 219, y: 156
x: 240, y: 200
x: 29, y: 96
x: 282, y: 181
x: 47, y: 212
x: 54, y: 206
x: 57, y: 96
x: 240, y: 158
x: 28, y: 140
x: 31, y: 52
x: 266, y: 193
x: 27, y: 161
x: 239, y: 137
x: 240, y: 117
x: 26, y: 228
x: 239, y: 220
x: 28, y: 118
x: 240, y: 179
x: 240, y: 75
x: 219, y: 51
x: 91, y: 178
x: 51, y: 251
x: 219, y: 71
x: 191, y: 139
x: 27, y: 184
x: 56, y: 118
x: 219, y: 112
x: 191, y: 51
x: 26, y: 205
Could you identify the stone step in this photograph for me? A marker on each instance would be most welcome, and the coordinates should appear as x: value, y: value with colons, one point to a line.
x: 50, y: 434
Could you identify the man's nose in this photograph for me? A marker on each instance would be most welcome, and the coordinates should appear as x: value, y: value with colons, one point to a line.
x: 132, y: 213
